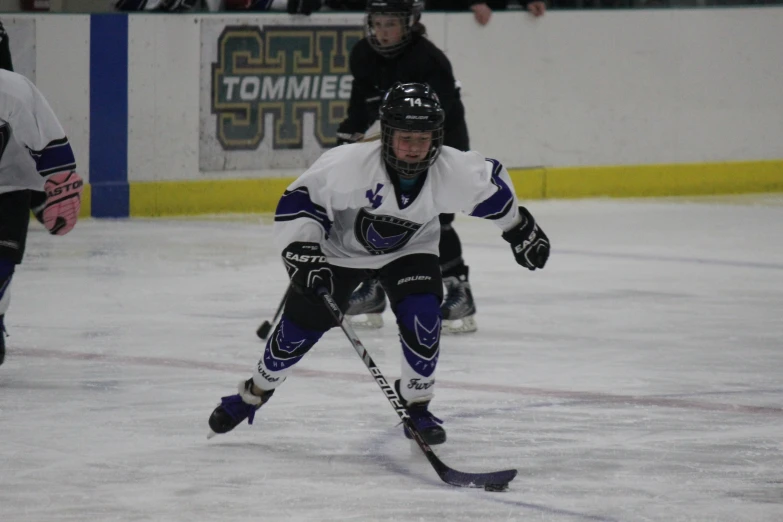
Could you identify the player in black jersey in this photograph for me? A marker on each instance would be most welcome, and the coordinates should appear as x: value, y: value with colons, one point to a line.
x: 5, y: 50
x: 395, y: 49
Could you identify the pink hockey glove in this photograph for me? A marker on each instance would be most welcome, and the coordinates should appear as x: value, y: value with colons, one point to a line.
x: 63, y: 201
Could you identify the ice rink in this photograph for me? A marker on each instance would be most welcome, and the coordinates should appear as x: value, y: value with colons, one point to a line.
x: 639, y: 377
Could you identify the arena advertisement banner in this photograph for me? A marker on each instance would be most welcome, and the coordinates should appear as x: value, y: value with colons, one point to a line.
x: 272, y: 92
x: 21, y: 39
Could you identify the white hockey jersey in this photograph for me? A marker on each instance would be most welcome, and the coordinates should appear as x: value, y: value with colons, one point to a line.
x: 33, y: 145
x: 348, y: 203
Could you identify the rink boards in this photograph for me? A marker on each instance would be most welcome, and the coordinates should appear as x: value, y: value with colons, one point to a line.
x: 193, y: 114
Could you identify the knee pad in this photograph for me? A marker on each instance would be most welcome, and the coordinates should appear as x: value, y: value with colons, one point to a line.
x: 419, y: 320
x: 288, y: 344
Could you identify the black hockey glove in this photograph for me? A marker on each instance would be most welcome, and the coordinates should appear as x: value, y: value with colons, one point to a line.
x: 307, y: 268
x: 529, y: 244
x: 347, y: 138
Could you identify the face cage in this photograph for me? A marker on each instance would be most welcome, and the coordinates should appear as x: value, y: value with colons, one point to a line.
x: 406, y: 20
x: 403, y: 168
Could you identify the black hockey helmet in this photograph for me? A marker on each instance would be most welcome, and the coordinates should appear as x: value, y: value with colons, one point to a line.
x: 408, y: 11
x: 412, y: 107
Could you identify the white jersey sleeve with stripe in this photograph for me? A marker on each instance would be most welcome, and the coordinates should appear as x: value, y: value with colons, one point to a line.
x: 349, y: 204
x: 33, y: 145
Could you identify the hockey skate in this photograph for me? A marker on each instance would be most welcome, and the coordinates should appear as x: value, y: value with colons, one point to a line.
x: 458, y: 307
x: 429, y: 425
x: 366, y: 305
x: 2, y: 340
x: 233, y: 409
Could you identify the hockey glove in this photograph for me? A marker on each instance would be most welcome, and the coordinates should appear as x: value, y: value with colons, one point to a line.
x: 63, y: 200
x: 307, y: 268
x: 529, y: 244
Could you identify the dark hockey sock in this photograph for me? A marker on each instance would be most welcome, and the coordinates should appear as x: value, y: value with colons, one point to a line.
x: 451, y: 263
x: 37, y: 204
x: 6, y: 272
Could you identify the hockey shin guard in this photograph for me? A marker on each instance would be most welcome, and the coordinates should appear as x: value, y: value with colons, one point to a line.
x: 419, y: 321
x: 286, y: 346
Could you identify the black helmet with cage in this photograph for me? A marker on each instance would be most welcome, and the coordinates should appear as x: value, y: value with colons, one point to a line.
x: 408, y: 12
x: 411, y: 107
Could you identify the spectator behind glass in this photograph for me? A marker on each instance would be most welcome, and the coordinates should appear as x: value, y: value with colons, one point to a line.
x: 482, y: 9
x: 172, y: 6
x: 247, y: 5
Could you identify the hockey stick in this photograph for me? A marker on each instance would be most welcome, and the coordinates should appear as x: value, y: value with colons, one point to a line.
x: 263, y: 331
x: 492, y: 481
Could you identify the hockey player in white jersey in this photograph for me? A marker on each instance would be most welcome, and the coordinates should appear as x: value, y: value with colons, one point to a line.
x: 35, y: 156
x: 371, y: 209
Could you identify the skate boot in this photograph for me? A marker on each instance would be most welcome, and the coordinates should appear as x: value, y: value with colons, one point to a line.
x: 233, y: 409
x: 2, y: 340
x: 428, y: 424
x: 458, y: 307
x: 366, y: 305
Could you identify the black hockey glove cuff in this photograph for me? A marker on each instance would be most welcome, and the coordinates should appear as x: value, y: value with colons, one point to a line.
x: 307, y: 268
x: 347, y: 137
x: 529, y: 244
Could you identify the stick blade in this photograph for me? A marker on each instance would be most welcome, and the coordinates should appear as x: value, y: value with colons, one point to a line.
x: 492, y: 481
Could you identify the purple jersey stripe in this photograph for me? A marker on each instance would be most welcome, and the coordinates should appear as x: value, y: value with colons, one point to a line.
x: 55, y: 157
x: 498, y: 204
x: 297, y: 204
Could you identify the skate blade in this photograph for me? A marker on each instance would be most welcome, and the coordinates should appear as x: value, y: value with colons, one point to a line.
x: 460, y: 326
x: 366, y: 321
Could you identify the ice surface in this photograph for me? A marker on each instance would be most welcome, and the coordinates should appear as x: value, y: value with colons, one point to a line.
x: 638, y: 377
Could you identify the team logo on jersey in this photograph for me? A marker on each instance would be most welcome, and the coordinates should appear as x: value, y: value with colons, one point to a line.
x: 383, y: 234
x: 374, y: 197
x: 284, y: 73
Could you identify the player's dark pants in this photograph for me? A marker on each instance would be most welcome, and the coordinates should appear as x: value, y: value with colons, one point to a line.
x: 14, y: 219
x: 451, y: 262
x: 413, y: 284
x: 413, y: 274
x: 5, y: 51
